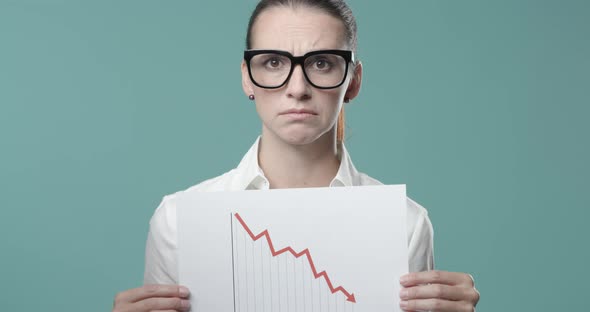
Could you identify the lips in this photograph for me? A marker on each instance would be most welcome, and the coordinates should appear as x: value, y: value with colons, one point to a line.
x: 300, y: 111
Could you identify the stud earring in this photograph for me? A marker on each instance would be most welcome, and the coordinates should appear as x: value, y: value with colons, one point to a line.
x: 346, y: 100
x: 251, y: 97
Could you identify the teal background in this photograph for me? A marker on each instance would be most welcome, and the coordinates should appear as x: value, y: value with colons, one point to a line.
x: 480, y: 107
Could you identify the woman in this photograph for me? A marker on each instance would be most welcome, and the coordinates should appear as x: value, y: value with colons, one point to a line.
x: 299, y: 68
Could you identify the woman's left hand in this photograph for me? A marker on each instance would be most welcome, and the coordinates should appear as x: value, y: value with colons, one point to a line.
x: 438, y: 291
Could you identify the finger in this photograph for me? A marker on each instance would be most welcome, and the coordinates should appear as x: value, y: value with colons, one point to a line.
x: 148, y: 291
x: 437, y: 277
x: 436, y: 291
x: 155, y: 304
x: 436, y: 305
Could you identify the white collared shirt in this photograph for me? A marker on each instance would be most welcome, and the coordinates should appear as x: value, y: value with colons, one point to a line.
x: 161, y: 254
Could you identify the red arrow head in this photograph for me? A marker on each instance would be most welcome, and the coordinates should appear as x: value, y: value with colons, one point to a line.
x: 351, y: 298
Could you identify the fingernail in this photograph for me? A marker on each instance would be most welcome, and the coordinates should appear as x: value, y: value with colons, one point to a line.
x: 403, y: 279
x: 403, y: 294
x: 185, y: 304
x: 183, y: 291
x: 403, y: 304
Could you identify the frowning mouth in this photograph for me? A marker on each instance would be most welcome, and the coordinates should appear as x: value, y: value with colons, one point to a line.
x: 301, y: 112
x: 298, y: 115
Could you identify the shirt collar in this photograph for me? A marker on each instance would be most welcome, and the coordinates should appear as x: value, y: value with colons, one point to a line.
x: 347, y: 174
x: 249, y: 175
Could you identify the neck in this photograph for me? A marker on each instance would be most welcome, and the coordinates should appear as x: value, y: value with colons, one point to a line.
x: 293, y: 166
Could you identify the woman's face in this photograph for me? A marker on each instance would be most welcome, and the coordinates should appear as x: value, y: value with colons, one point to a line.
x: 299, y: 31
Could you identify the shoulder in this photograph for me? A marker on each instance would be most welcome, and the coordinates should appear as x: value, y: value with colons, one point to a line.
x: 415, y: 212
x: 365, y: 179
x: 166, y: 210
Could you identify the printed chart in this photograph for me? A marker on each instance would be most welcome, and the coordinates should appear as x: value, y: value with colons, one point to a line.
x: 275, y: 278
x: 293, y: 250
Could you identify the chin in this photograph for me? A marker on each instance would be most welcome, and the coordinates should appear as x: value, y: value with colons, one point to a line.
x: 297, y: 134
x: 300, y: 137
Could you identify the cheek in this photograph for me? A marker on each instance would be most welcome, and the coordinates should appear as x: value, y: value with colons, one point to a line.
x: 265, y: 104
x: 332, y: 101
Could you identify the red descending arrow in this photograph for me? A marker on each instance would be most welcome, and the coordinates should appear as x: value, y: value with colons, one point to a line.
x: 349, y: 296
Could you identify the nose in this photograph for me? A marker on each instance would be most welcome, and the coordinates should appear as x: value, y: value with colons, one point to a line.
x: 297, y: 86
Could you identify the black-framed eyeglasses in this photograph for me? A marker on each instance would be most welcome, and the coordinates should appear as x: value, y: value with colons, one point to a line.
x: 323, y: 69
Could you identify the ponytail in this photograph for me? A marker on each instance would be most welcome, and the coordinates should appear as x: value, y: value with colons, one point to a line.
x: 340, y: 126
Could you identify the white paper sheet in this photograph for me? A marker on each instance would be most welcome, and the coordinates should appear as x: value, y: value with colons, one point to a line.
x: 355, y: 235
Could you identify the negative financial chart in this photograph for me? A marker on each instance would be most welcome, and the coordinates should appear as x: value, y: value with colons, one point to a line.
x: 267, y: 277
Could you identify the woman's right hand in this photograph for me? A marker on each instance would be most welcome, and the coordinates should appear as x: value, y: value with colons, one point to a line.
x: 152, y: 298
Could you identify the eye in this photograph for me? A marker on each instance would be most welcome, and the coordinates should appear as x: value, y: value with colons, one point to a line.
x: 274, y: 62
x: 321, y: 64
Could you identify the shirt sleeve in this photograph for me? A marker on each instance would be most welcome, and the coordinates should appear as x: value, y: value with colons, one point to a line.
x: 420, y: 238
x: 161, y: 246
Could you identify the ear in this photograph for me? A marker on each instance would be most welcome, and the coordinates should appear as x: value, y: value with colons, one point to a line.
x: 354, y: 86
x: 246, y: 82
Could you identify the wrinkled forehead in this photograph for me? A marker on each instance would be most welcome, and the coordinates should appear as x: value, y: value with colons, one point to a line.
x: 298, y: 30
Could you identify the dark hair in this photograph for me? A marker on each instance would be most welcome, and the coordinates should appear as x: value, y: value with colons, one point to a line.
x: 336, y: 8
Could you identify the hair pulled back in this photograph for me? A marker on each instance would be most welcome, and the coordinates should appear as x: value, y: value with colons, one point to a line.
x: 336, y: 8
